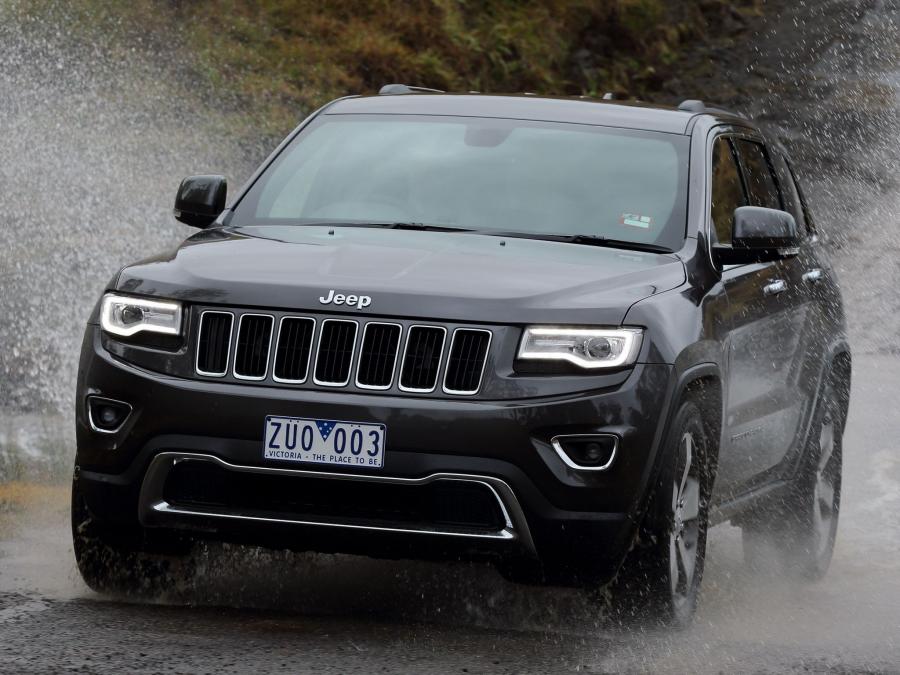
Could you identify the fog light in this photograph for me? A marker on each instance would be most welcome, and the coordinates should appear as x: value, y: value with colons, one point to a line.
x: 586, y: 452
x: 107, y: 415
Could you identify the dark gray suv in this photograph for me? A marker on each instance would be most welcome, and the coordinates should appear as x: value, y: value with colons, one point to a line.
x: 563, y: 335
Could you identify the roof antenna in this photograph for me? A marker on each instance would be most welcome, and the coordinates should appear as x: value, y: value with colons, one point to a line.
x: 609, y: 96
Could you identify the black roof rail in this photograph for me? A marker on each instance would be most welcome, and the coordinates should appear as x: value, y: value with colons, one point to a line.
x: 696, y: 106
x: 391, y: 89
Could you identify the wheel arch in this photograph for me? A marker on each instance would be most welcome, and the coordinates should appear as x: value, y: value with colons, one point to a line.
x: 703, y: 383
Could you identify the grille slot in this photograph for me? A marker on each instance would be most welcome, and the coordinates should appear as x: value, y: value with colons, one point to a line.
x: 378, y: 355
x: 293, y: 349
x: 214, y: 343
x: 335, y: 354
x: 422, y: 358
x: 251, y: 358
x: 465, y: 364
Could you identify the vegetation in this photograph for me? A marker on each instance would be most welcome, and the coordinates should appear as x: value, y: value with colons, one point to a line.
x: 290, y: 56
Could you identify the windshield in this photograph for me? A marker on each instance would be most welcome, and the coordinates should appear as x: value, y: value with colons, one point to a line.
x: 484, y: 174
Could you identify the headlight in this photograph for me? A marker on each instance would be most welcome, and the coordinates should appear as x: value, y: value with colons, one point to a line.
x: 121, y: 315
x: 585, y: 347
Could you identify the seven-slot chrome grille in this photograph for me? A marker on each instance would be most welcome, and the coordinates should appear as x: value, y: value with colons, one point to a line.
x: 338, y: 352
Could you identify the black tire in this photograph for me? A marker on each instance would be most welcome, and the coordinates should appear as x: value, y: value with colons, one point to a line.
x: 121, y: 560
x: 661, y: 578
x: 799, y: 533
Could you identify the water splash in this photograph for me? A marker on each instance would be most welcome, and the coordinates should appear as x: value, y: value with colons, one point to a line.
x: 96, y: 134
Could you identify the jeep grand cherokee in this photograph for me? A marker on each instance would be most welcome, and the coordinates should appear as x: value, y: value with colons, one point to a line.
x: 563, y: 335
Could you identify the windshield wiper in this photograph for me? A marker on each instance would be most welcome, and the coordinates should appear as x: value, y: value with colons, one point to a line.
x: 387, y: 225
x: 423, y: 227
x: 584, y: 239
x: 599, y: 240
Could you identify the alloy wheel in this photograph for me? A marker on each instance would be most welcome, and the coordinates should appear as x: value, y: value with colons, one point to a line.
x: 825, y: 489
x: 685, y: 535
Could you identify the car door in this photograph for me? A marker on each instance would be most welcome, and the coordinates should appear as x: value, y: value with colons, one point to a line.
x: 762, y: 412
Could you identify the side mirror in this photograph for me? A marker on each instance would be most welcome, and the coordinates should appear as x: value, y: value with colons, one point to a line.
x: 200, y: 200
x: 759, y: 235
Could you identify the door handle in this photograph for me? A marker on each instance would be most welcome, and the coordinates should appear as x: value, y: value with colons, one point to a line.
x: 775, y: 287
x: 813, y: 276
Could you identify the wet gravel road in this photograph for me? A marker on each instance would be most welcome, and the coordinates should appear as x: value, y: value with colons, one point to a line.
x: 257, y: 612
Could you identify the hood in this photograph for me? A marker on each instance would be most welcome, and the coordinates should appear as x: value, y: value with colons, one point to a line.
x: 411, y: 274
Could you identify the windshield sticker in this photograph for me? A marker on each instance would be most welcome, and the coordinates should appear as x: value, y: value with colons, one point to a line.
x: 636, y: 220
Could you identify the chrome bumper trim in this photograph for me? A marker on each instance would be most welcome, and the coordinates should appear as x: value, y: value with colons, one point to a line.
x: 155, y: 511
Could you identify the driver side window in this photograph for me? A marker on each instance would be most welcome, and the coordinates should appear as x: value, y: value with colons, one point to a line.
x: 727, y: 189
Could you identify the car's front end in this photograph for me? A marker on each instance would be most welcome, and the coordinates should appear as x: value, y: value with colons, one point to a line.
x: 457, y: 435
x: 311, y: 374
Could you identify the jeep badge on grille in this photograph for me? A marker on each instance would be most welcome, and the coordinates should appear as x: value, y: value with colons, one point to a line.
x: 358, y: 301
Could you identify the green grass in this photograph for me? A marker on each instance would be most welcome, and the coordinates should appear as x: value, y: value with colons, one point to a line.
x: 284, y: 58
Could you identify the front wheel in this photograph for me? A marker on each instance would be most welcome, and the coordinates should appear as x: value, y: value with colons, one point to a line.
x: 114, y: 559
x: 662, y: 575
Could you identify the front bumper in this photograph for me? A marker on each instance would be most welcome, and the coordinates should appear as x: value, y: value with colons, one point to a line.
x: 576, y: 524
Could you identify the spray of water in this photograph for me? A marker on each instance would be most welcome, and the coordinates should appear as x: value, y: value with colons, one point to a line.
x: 93, y: 140
x: 95, y: 133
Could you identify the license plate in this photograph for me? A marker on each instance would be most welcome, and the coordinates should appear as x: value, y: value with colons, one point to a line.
x: 298, y: 439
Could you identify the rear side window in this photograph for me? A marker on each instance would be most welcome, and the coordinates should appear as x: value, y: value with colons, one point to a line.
x: 761, y: 185
x: 727, y: 189
x: 789, y: 192
x: 804, y: 206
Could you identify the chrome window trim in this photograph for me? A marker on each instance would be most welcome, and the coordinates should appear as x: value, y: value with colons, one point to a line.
x: 248, y: 378
x: 197, y: 345
x: 362, y: 341
x: 312, y: 343
x: 437, y: 378
x: 487, y: 353
x: 94, y: 427
x: 316, y: 380
x: 155, y: 511
x: 555, y: 443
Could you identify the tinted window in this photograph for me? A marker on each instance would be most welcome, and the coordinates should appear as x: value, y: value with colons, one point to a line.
x: 478, y: 173
x: 789, y: 193
x: 807, y: 216
x: 761, y: 185
x: 727, y: 190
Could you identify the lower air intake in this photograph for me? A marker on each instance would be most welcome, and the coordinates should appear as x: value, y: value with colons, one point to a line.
x: 447, y: 505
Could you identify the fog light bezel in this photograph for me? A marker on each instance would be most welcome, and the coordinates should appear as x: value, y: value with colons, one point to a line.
x: 92, y: 400
x: 557, y: 441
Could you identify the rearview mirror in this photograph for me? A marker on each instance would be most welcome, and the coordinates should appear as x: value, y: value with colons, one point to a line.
x: 200, y: 200
x: 759, y: 235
